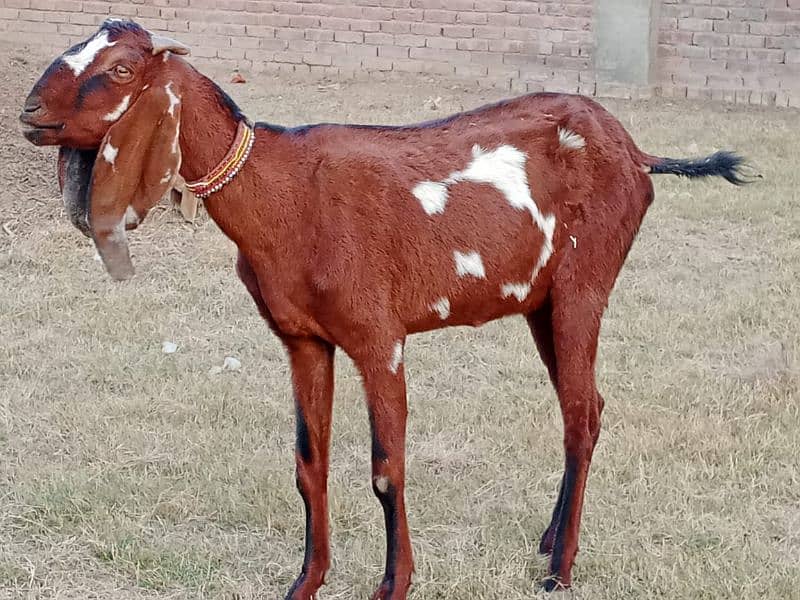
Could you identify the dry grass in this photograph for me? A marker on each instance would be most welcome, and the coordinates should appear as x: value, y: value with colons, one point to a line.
x: 126, y: 473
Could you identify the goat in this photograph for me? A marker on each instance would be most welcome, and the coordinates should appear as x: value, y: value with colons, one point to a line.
x: 356, y: 236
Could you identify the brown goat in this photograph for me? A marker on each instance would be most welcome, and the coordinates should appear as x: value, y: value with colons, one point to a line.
x: 357, y: 236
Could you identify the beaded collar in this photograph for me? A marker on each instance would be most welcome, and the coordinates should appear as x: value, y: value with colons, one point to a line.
x: 229, y: 166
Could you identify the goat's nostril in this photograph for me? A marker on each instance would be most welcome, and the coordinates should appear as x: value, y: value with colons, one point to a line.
x: 32, y: 105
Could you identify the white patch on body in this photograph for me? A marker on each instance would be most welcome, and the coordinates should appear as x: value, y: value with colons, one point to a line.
x: 519, y: 290
x: 382, y: 484
x: 504, y: 169
x: 119, y: 111
x: 397, y: 357
x: 167, y: 176
x: 570, y: 139
x: 86, y: 55
x: 110, y: 153
x: 469, y: 263
x: 166, y: 55
x: 176, y: 139
x: 432, y: 195
x: 442, y: 306
x: 173, y: 99
x: 574, y: 241
x: 131, y: 218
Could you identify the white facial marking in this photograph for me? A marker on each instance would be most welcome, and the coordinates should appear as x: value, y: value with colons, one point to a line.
x: 173, y: 99
x: 442, y: 306
x: 503, y: 168
x: 432, y: 195
x: 119, y: 111
x: 86, y: 55
x: 570, y: 139
x: 574, y: 241
x: 382, y: 484
x: 469, y: 263
x: 397, y: 357
x: 110, y: 153
x: 519, y: 290
x: 131, y: 218
x: 167, y: 176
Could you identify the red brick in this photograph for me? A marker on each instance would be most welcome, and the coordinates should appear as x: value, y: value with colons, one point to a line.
x: 410, y: 40
x: 395, y: 27
x: 729, y: 53
x: 376, y: 63
x: 315, y: 58
x: 352, y: 37
x: 457, y: 31
x: 768, y: 28
x: 709, y: 39
x: 783, y: 16
x: 747, y: 41
x: 471, y: 18
x: 731, y: 26
x: 362, y: 50
x: 747, y: 14
x: 365, y: 25
x: 319, y: 35
x: 691, y: 24
x: 440, y: 16
x: 709, y: 12
x: 765, y: 55
x: 440, y: 42
x: 783, y: 41
x: 473, y: 44
x: 393, y: 51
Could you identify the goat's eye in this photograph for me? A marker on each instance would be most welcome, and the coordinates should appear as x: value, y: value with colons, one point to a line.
x: 122, y: 72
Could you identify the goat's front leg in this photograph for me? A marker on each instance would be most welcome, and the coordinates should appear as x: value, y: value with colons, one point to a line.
x: 384, y: 384
x: 312, y: 378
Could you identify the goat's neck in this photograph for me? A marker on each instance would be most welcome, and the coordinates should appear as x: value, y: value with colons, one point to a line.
x: 207, y: 127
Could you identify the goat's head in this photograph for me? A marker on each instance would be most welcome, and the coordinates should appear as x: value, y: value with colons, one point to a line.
x: 113, y: 107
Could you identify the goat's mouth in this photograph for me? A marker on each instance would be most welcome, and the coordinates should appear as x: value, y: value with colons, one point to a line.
x: 38, y: 133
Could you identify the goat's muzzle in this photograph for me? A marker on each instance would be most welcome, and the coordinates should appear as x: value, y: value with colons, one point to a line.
x: 36, y: 129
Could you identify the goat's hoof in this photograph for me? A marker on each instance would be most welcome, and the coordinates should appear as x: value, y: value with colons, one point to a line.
x: 390, y: 589
x: 303, y: 589
x: 553, y: 583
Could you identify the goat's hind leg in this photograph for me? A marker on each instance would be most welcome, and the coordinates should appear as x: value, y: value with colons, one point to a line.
x: 541, y: 326
x: 575, y: 323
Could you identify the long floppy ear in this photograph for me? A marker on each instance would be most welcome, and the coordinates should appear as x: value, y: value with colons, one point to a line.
x: 136, y: 165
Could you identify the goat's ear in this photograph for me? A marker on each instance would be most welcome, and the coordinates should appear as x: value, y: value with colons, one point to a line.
x: 136, y: 165
x: 162, y: 44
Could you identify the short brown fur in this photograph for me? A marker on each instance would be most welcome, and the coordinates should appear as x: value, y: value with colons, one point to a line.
x: 337, y: 251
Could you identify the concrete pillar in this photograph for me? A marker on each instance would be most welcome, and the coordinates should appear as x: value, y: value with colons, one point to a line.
x: 626, y: 33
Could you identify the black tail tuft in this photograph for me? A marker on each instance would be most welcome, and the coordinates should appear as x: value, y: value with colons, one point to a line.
x: 727, y: 165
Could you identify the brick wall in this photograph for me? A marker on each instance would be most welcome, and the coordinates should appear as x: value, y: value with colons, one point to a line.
x: 735, y: 50
x: 744, y: 51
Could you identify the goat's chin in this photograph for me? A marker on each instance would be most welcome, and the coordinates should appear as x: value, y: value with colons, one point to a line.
x: 42, y: 137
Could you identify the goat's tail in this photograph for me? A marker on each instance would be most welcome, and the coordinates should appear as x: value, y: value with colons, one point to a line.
x: 727, y: 165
